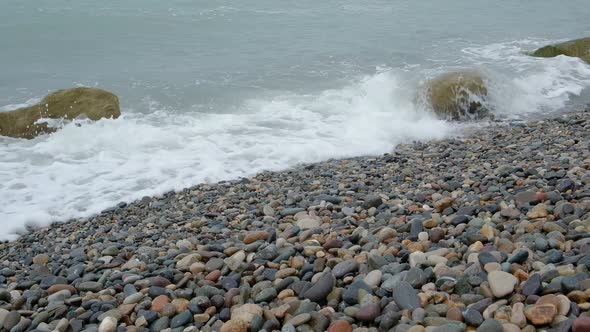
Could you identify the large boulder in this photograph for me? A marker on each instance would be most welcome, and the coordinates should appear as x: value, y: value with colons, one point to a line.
x: 575, y: 48
x: 458, y: 96
x: 93, y: 103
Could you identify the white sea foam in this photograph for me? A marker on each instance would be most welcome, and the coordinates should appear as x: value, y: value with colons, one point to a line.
x: 519, y: 84
x: 85, y: 168
x: 12, y: 107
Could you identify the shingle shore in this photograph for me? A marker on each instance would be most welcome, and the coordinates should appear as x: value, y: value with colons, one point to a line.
x: 486, y: 231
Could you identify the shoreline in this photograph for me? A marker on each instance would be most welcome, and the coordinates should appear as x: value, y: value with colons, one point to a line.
x: 461, y: 224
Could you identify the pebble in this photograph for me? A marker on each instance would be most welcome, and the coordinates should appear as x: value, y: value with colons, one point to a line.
x: 581, y: 324
x: 541, y: 314
x: 109, y: 324
x: 472, y: 317
x: 373, y: 278
x: 405, y: 296
x: 340, y: 326
x: 501, y: 283
x: 321, y: 289
x: 181, y: 319
x: 345, y: 267
x: 41, y: 259
x: 89, y: 286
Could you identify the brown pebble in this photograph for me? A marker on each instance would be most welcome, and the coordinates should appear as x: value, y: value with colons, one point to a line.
x: 581, y: 324
x: 340, y: 326
x: 56, y: 288
x: 255, y: 236
x: 213, y: 275
x: 159, y: 302
x: 455, y: 314
x: 541, y: 314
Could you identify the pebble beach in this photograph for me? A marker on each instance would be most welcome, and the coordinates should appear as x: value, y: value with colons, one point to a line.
x: 489, y: 230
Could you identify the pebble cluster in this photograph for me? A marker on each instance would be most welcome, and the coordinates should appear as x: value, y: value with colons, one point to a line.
x: 486, y: 231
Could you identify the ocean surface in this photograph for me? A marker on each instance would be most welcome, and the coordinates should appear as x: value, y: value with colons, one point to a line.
x: 216, y: 90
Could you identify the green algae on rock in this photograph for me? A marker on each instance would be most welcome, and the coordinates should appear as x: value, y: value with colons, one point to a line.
x: 94, y: 103
x: 458, y: 96
x: 579, y: 48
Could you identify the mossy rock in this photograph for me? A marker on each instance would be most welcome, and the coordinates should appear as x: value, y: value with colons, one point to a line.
x: 458, y: 96
x: 93, y: 103
x: 579, y: 48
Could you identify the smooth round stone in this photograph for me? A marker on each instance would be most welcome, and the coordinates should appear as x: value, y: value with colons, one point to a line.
x: 373, y: 278
x: 345, y: 267
x: 110, y: 251
x: 11, y: 319
x: 308, y: 223
x: 184, y: 263
x: 267, y: 210
x: 133, y: 298
x: 485, y: 258
x: 5, y: 295
x: 181, y: 319
x: 161, y: 324
x: 59, y: 296
x: 472, y: 317
x: 184, y: 244
x: 454, y: 314
x: 541, y: 244
x: 201, y: 318
x: 570, y: 283
x: 368, y: 312
x: 168, y: 309
x: 581, y: 324
x: 109, y: 324
x: 129, y: 289
x: 300, y: 319
x: 159, y: 302
x: 437, y: 234
x: 266, y: 295
x: 533, y: 285
x: 541, y: 314
x: 418, y: 315
x: 405, y: 296
x: 489, y: 267
x: 519, y: 257
x: 423, y: 236
x: 351, y: 293
x: 340, y: 326
x: 417, y: 258
x: 41, y: 259
x: 501, y: 283
x: 89, y: 286
x: 214, y: 264
x: 257, y: 323
x: 319, y: 292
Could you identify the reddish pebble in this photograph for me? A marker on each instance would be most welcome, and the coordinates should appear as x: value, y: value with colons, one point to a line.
x: 255, y: 236
x: 581, y: 324
x: 541, y: 196
x: 159, y: 302
x: 56, y: 288
x: 213, y: 275
x: 455, y: 314
x: 340, y: 326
